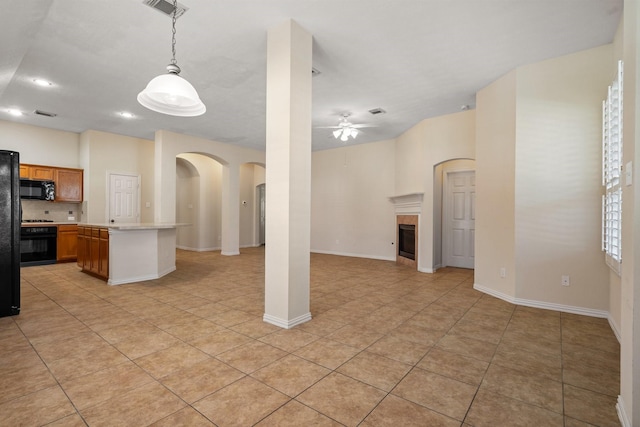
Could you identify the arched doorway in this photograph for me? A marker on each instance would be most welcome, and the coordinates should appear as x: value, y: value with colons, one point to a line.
x: 454, y: 213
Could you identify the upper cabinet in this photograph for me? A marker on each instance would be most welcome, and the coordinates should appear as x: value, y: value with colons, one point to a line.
x: 68, y: 181
x: 36, y: 172
x: 68, y: 185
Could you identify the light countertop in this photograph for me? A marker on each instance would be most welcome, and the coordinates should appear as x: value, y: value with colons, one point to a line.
x: 133, y: 226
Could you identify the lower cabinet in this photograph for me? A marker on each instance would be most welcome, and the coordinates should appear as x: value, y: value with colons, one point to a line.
x: 67, y: 242
x: 93, y: 251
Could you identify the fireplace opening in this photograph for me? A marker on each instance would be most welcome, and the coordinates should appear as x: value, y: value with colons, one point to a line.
x: 407, y: 241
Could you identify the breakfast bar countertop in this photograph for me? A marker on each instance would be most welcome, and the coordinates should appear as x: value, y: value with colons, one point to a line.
x: 133, y: 226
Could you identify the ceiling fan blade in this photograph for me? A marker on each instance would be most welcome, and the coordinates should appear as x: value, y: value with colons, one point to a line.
x: 363, y: 126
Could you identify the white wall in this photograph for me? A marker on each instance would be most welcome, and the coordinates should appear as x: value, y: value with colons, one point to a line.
x: 350, y: 210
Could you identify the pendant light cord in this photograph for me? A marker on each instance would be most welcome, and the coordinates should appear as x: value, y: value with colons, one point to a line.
x: 173, y: 35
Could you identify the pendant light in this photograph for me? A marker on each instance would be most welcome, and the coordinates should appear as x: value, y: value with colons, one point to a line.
x: 169, y: 93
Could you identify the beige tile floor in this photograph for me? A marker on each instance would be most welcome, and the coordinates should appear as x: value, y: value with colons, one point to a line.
x: 386, y: 346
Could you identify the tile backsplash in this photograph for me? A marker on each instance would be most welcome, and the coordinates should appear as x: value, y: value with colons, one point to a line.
x: 57, y: 212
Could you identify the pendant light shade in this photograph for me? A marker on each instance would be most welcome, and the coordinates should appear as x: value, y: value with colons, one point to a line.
x: 171, y: 94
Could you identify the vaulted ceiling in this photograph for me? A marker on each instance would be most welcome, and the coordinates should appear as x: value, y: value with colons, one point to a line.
x: 413, y: 58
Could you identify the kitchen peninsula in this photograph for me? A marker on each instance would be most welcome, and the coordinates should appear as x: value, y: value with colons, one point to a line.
x: 127, y: 253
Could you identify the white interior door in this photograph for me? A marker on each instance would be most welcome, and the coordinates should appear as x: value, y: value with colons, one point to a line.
x: 124, y: 200
x: 459, y: 219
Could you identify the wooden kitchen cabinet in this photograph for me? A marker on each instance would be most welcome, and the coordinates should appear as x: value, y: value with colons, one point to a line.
x: 81, y: 248
x: 68, y: 181
x: 36, y: 172
x: 93, y: 255
x: 68, y: 185
x: 103, y: 254
x: 67, y: 242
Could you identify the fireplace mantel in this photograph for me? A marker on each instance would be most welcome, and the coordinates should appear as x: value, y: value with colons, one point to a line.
x: 408, y: 203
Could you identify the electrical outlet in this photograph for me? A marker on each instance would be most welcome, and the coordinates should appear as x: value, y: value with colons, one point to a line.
x: 566, y: 281
x: 503, y: 272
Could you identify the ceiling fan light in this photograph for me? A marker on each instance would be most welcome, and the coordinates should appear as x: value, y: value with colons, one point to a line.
x: 354, y: 132
x: 336, y: 133
x: 171, y: 94
x: 344, y: 137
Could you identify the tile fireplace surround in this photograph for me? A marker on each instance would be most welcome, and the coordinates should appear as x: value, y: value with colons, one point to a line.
x: 408, y: 209
x: 407, y: 220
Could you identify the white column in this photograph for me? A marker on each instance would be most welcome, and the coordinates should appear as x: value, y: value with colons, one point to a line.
x: 230, y: 209
x: 288, y: 175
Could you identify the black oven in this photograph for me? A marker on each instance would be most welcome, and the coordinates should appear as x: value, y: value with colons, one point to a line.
x: 38, y: 245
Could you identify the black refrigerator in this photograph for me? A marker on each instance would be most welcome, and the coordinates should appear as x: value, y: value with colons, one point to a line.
x: 9, y: 233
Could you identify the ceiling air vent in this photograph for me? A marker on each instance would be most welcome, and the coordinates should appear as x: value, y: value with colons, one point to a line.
x: 377, y: 111
x: 166, y: 7
x: 44, y: 113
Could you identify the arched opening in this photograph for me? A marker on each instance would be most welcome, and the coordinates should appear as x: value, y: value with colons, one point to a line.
x: 252, y: 180
x: 454, y: 213
x: 198, y: 202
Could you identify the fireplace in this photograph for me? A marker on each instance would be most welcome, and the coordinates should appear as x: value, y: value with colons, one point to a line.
x: 407, y: 241
x: 408, y: 208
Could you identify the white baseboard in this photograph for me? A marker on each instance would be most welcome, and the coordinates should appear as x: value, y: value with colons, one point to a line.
x: 286, y: 324
x: 614, y: 327
x: 622, y: 414
x: 542, y: 304
x: 233, y: 253
x: 427, y: 270
x: 349, y: 254
x: 188, y: 248
x: 141, y: 278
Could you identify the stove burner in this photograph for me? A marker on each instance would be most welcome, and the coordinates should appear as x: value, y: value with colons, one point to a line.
x: 37, y: 220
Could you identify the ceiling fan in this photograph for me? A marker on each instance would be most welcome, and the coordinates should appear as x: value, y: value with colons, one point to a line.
x: 345, y: 129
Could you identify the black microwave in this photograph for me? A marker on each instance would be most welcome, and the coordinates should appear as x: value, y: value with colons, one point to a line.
x: 37, y: 189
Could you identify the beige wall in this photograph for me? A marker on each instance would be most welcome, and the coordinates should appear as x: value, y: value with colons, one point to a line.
x: 539, y: 183
x: 439, y: 175
x: 41, y: 146
x: 615, y: 285
x: 495, y: 183
x: 629, y: 401
x: 558, y: 175
x: 199, y: 202
x: 350, y: 210
x: 250, y: 176
x: 104, y: 153
x: 418, y: 152
x: 187, y: 204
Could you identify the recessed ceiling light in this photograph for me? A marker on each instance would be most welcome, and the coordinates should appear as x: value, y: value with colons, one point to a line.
x: 14, y: 112
x: 42, y: 82
x: 126, y: 115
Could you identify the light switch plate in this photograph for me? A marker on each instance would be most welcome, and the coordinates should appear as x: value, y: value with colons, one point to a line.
x: 628, y: 173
